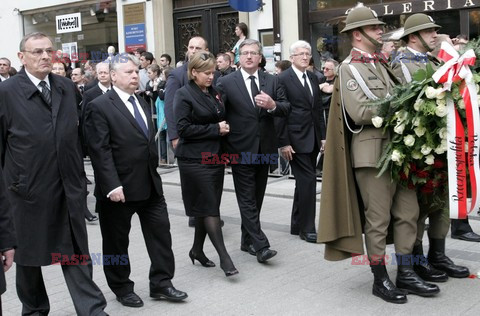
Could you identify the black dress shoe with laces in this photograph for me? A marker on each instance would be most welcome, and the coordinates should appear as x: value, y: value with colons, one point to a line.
x: 169, y: 293
x: 248, y: 249
x: 130, y: 300
x: 309, y: 237
x: 265, y: 254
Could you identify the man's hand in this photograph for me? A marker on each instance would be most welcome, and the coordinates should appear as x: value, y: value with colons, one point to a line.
x: 224, y: 128
x: 117, y: 196
x: 264, y: 101
x: 174, y: 143
x: 7, y: 258
x: 287, y: 152
x: 322, y: 149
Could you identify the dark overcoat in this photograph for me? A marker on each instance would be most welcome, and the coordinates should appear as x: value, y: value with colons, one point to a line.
x: 41, y: 157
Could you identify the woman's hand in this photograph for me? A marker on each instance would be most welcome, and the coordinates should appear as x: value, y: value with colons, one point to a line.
x: 224, y: 128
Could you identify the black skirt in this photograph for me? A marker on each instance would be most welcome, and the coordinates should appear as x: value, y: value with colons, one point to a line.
x: 202, y: 187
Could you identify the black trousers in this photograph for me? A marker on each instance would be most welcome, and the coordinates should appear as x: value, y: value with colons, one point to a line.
x: 303, y: 209
x: 460, y: 226
x: 115, y: 224
x: 250, y: 183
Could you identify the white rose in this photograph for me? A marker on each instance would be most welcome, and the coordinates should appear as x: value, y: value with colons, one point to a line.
x: 377, y: 121
x: 441, y: 102
x: 396, y: 156
x: 442, y: 133
x: 478, y: 87
x: 399, y: 128
x: 444, y: 144
x: 409, y: 140
x: 441, y: 110
x: 461, y: 104
x: 440, y: 93
x: 439, y: 150
x: 416, y: 121
x: 417, y: 155
x: 418, y: 104
x: 429, y: 160
x: 420, y: 131
x: 425, y: 150
x: 431, y: 92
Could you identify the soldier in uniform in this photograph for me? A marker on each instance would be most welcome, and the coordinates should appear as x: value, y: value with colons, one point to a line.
x: 420, y: 33
x: 362, y: 78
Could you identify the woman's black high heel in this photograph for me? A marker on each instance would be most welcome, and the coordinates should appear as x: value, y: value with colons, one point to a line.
x: 229, y: 271
x: 203, y: 261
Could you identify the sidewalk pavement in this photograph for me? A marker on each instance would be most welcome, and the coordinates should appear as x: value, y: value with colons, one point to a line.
x: 298, y: 281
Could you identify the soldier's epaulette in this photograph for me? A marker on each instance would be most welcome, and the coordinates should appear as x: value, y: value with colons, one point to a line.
x: 347, y: 60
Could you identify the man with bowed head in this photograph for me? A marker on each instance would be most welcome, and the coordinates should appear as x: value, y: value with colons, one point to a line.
x: 41, y: 158
x: 356, y: 144
x: 121, y: 142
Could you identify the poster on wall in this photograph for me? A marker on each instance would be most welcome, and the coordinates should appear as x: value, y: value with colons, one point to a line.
x: 134, y: 29
x: 70, y: 50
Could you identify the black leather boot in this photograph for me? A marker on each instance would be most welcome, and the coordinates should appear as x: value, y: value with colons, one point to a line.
x: 424, y: 269
x: 408, y: 280
x: 384, y: 288
x: 438, y: 259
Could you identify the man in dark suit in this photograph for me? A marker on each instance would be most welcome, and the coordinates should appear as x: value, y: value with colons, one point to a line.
x: 252, y: 99
x: 223, y: 67
x: 121, y: 141
x: 301, y: 136
x: 102, y: 86
x: 7, y: 238
x: 41, y: 158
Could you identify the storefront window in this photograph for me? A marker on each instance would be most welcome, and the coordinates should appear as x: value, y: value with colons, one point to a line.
x: 474, y: 24
x: 99, y: 29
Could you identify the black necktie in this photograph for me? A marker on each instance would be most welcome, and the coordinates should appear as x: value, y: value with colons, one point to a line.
x: 46, y: 93
x: 305, y: 86
x: 138, y: 116
x: 253, y: 88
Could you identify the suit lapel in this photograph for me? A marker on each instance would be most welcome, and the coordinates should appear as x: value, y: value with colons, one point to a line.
x: 118, y: 103
x: 57, y: 92
x: 243, y: 89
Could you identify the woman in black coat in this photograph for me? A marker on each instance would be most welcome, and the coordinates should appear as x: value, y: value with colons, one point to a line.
x: 200, y: 117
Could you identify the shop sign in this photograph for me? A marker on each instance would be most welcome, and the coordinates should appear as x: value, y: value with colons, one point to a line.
x: 135, y: 37
x: 68, y: 23
x: 423, y: 6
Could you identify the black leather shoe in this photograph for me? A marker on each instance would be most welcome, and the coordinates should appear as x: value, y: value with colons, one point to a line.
x: 248, y: 249
x: 409, y: 281
x: 92, y: 218
x: 469, y: 236
x: 130, y: 300
x: 438, y: 259
x: 169, y: 293
x: 384, y: 288
x: 265, y: 254
x: 309, y: 237
x: 424, y: 269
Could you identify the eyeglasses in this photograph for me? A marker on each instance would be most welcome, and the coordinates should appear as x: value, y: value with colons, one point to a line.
x: 325, y: 68
x: 39, y: 52
x: 249, y: 53
x: 303, y: 54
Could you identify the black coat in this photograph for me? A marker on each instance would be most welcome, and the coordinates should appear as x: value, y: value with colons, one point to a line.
x: 121, y: 153
x: 7, y: 229
x: 176, y: 79
x: 305, y: 124
x: 197, y: 121
x: 251, y: 127
x: 43, y: 168
x: 88, y: 96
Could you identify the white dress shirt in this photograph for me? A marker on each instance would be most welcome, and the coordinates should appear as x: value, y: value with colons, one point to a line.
x: 248, y: 83
x: 300, y: 77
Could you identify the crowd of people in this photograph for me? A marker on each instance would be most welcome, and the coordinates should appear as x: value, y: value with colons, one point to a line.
x: 224, y: 109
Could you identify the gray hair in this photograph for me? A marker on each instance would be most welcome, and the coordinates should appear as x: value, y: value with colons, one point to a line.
x: 250, y: 41
x: 106, y: 62
x: 33, y: 35
x: 125, y: 58
x: 6, y: 60
x: 300, y: 44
